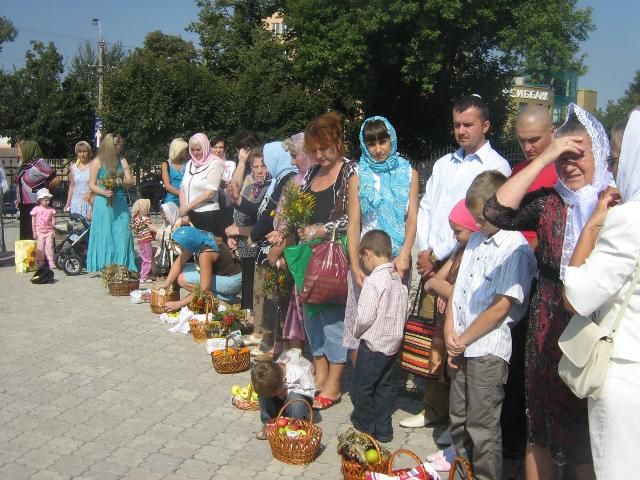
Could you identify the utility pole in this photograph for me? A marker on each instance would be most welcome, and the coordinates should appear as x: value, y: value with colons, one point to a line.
x: 101, y: 44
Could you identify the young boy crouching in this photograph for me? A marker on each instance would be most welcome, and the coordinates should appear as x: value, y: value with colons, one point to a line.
x: 276, y: 383
x: 489, y: 297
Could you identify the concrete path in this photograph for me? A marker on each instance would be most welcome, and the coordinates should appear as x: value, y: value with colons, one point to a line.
x: 94, y: 387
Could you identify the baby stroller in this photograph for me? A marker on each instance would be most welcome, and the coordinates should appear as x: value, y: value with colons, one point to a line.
x: 71, y: 253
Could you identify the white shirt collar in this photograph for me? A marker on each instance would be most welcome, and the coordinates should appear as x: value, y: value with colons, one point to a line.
x: 481, y: 155
x: 497, y: 238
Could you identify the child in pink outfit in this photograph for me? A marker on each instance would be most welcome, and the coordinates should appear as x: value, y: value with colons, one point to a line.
x: 142, y: 228
x: 43, y: 226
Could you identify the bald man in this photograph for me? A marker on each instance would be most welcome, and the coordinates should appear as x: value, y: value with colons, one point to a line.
x: 534, y: 130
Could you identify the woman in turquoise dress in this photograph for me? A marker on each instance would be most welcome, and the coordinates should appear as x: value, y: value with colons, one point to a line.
x: 173, y: 170
x: 110, y: 240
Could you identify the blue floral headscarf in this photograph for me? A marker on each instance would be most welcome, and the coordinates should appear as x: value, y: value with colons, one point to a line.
x: 388, y: 205
x: 193, y: 239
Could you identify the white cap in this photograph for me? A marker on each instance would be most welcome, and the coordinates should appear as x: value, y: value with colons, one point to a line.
x: 43, y: 193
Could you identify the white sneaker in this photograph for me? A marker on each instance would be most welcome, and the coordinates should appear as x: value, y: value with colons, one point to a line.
x: 415, y: 421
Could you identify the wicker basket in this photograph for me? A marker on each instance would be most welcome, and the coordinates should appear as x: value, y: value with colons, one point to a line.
x: 295, y: 451
x: 355, y: 471
x: 243, y: 404
x: 122, y: 289
x: 158, y: 300
x: 461, y: 469
x: 200, y: 330
x: 422, y: 473
x: 225, y: 362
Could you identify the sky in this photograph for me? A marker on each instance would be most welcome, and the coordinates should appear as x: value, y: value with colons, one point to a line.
x: 613, y: 52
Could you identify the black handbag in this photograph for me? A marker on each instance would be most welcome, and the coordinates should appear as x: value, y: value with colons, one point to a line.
x: 162, y: 262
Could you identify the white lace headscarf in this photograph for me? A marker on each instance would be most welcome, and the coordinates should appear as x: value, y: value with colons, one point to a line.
x: 628, y: 178
x: 581, y: 203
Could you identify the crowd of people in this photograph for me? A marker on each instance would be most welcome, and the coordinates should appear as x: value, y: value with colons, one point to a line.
x: 504, y: 258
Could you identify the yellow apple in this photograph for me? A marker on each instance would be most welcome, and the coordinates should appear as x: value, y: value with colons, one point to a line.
x: 244, y: 394
x: 235, y: 390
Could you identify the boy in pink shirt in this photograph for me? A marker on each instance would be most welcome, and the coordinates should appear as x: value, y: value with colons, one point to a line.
x: 43, y: 226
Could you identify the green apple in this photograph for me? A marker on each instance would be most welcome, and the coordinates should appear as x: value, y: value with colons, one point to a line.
x: 244, y: 394
x: 282, y: 431
x: 235, y: 390
x: 302, y: 433
x: 372, y: 456
x: 254, y: 396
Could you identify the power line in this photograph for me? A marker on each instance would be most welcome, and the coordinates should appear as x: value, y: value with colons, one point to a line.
x: 69, y: 37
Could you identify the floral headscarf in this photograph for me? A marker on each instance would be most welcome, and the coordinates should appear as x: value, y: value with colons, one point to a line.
x: 388, y: 204
x: 278, y: 163
x: 581, y: 203
x: 628, y: 178
x: 207, y: 156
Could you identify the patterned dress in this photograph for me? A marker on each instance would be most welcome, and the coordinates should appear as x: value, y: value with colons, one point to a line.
x: 80, y: 187
x: 556, y: 418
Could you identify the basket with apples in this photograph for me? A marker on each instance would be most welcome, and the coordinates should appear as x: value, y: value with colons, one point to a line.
x: 244, y: 398
x: 231, y: 359
x: 200, y: 324
x: 293, y: 440
x: 361, y: 453
x: 423, y: 471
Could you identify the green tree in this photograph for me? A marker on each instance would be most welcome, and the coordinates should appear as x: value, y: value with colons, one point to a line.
x: 161, y: 91
x: 409, y: 59
x: 83, y: 68
x: 7, y: 31
x: 617, y: 110
x: 263, y: 93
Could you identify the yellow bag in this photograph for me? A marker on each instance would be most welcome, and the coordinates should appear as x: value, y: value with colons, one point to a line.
x: 25, y: 256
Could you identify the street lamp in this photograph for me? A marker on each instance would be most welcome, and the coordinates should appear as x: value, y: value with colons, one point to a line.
x: 96, y: 22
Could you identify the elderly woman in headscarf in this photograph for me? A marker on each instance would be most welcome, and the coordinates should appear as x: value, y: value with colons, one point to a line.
x: 558, y: 429
x: 268, y: 308
x: 110, y: 239
x: 218, y: 270
x: 245, y: 215
x: 34, y: 173
x: 383, y: 196
x: 596, y: 285
x: 199, y: 199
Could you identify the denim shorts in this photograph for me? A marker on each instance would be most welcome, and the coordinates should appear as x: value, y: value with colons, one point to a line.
x: 324, y: 332
x: 225, y: 286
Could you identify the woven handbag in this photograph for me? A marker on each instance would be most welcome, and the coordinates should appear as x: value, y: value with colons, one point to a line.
x: 416, y: 349
x: 325, y: 280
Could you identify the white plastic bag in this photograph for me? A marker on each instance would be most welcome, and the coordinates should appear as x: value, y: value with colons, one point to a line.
x: 183, y: 321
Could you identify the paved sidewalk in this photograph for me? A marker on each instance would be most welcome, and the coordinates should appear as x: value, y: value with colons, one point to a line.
x: 94, y: 387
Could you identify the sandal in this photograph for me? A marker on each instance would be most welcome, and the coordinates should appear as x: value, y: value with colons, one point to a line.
x: 262, y: 433
x: 320, y: 402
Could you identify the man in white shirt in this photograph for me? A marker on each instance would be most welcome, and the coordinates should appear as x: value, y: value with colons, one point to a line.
x: 448, y: 184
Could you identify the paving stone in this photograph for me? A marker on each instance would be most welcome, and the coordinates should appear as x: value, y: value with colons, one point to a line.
x: 39, y: 458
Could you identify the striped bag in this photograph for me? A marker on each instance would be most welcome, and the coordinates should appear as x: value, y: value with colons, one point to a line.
x: 415, y: 352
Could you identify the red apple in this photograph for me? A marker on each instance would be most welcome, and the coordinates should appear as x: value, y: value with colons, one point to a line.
x: 282, y: 422
x: 294, y: 427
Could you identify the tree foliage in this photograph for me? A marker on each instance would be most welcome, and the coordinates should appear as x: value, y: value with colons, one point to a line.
x: 617, y: 110
x: 38, y: 105
x: 7, y: 31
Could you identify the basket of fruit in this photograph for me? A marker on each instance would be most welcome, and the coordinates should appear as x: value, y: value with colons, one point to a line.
x: 160, y: 296
x: 292, y: 440
x: 231, y: 359
x: 244, y: 398
x: 361, y: 453
x: 415, y: 473
x: 119, y: 280
x: 200, y: 324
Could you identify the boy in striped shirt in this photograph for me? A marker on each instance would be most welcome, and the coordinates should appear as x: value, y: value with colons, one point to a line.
x: 382, y: 313
x: 489, y: 297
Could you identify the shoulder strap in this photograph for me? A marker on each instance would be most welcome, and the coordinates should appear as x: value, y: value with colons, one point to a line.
x: 627, y: 298
x: 417, y: 302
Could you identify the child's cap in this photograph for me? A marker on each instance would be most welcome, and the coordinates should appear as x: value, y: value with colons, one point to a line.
x: 460, y: 215
x: 43, y: 193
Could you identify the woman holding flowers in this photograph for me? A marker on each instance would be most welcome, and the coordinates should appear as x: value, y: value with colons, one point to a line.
x: 110, y: 240
x: 328, y: 182
x: 383, y: 195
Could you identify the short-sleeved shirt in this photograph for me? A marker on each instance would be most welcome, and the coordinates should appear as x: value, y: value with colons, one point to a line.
x: 140, y: 227
x: 502, y: 264
x: 197, y: 180
x: 44, y: 216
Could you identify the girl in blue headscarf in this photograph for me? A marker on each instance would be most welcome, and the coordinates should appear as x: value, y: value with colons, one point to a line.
x: 382, y: 196
x: 219, y: 271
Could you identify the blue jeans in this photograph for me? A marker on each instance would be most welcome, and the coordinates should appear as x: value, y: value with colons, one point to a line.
x: 324, y: 332
x: 270, y: 407
x: 227, y: 288
x: 373, y: 393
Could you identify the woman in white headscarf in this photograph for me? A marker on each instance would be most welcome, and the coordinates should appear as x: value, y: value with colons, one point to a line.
x: 596, y: 284
x: 558, y: 430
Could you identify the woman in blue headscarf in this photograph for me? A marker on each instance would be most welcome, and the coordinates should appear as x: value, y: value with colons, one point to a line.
x: 219, y: 271
x: 382, y: 196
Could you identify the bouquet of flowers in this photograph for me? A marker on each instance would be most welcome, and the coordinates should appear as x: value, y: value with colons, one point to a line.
x: 198, y: 303
x: 276, y: 281
x: 227, y: 320
x: 296, y: 209
x: 109, y: 182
